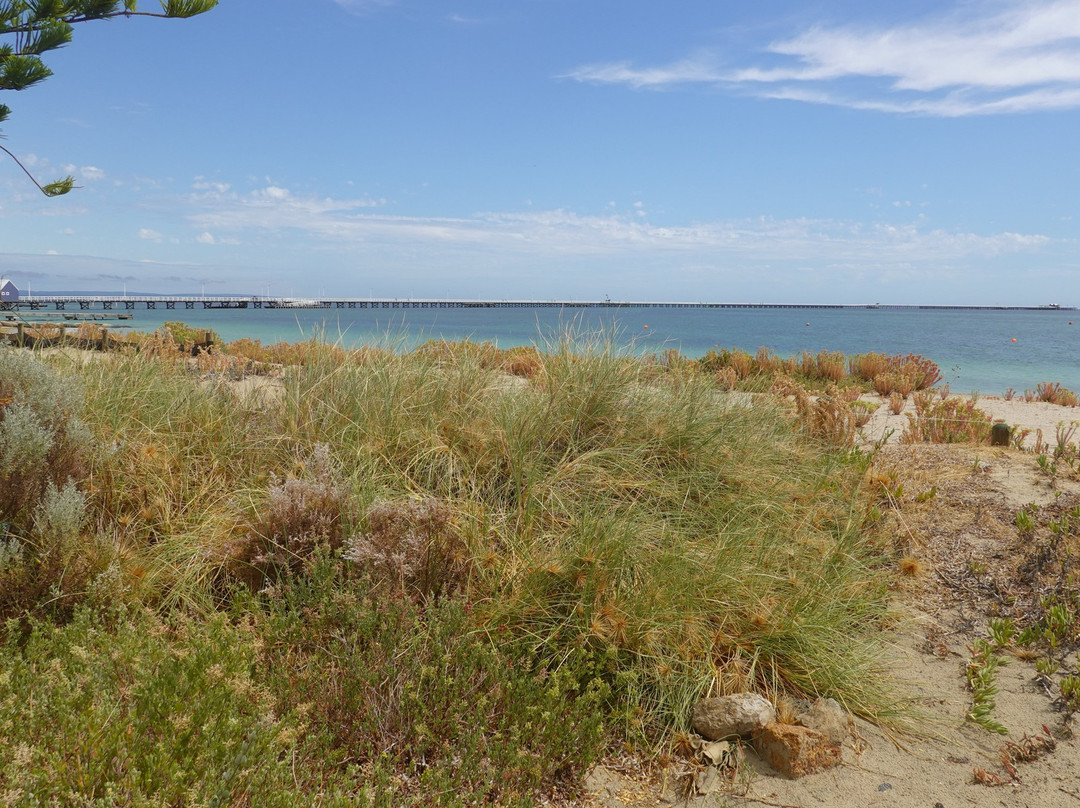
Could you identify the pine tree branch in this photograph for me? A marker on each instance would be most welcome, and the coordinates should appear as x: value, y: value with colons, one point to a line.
x: 173, y: 9
x: 58, y: 188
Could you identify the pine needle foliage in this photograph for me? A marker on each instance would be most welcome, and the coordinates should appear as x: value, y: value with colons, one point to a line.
x: 30, y: 28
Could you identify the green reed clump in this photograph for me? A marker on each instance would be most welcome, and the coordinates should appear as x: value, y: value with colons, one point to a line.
x: 644, y: 521
x: 180, y: 460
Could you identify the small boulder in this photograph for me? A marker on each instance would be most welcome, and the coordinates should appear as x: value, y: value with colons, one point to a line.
x: 827, y: 717
x: 796, y: 751
x: 739, y: 716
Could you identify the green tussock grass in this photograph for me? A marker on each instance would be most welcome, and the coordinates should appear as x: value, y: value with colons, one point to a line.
x: 440, y: 582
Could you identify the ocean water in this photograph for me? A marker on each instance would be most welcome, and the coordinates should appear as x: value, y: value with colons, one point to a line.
x: 975, y: 349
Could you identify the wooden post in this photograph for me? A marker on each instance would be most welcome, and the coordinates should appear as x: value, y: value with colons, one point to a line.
x: 104, y: 338
x: 20, y: 337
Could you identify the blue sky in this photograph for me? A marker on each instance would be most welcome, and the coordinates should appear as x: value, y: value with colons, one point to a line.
x: 917, y: 152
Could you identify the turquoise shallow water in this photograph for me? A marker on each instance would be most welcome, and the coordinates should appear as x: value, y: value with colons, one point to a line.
x: 973, y: 348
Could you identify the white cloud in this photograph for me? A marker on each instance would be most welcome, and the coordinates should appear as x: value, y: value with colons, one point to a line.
x: 349, y: 225
x: 978, y: 59
x: 272, y: 208
x: 91, y: 173
x: 205, y: 238
x: 202, y: 184
x: 686, y: 71
x: 149, y: 235
x: 364, y: 6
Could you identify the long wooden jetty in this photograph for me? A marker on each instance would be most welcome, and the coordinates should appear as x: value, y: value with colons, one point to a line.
x: 130, y: 302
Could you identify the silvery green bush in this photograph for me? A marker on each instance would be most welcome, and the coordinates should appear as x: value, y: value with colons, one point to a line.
x: 42, y: 440
x: 43, y: 448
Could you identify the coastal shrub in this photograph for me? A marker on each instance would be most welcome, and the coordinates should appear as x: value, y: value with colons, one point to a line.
x: 525, y: 362
x: 410, y: 548
x: 884, y: 384
x: 44, y: 449
x: 952, y: 420
x: 42, y: 440
x: 726, y: 378
x: 53, y: 556
x: 830, y: 366
x: 1054, y: 393
x: 571, y: 491
x: 182, y: 467
x: 413, y: 695
x: 742, y: 363
x: 298, y: 516
x: 867, y: 366
x: 129, y: 709
x: 282, y: 353
x: 864, y: 411
x: 827, y: 417
x: 900, y: 373
x: 766, y: 361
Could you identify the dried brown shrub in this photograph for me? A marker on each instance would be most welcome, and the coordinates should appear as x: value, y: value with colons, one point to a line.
x: 524, y: 361
x: 828, y: 418
x: 742, y: 363
x: 829, y: 365
x: 411, y: 548
x: 867, y: 366
x: 767, y: 361
x: 726, y: 378
x: 300, y: 515
x: 917, y: 372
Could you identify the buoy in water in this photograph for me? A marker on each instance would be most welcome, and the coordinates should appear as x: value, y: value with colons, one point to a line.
x: 1014, y: 339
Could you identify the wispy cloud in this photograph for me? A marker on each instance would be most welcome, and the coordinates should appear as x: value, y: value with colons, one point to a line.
x: 977, y: 59
x: 364, y: 6
x: 345, y: 225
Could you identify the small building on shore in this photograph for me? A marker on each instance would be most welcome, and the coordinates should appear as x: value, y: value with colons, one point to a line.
x: 9, y: 292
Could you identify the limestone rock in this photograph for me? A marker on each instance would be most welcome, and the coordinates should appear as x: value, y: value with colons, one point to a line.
x: 740, y: 715
x: 796, y: 751
x: 827, y: 717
